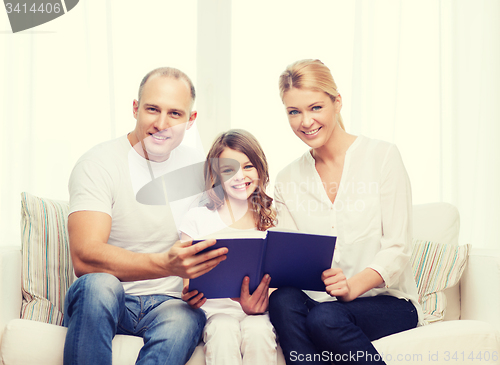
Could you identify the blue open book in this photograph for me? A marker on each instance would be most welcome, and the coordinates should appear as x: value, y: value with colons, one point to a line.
x: 290, y: 258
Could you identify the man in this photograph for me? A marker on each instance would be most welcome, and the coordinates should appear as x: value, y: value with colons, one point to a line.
x: 125, y: 253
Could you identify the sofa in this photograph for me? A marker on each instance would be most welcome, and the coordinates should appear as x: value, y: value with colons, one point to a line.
x: 459, y: 287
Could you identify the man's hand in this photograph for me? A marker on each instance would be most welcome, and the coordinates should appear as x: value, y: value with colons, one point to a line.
x: 336, y: 284
x: 88, y: 236
x: 193, y: 298
x: 181, y: 260
x: 258, y: 302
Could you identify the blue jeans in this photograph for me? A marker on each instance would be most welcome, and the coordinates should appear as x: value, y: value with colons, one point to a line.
x: 341, y: 332
x: 97, y: 308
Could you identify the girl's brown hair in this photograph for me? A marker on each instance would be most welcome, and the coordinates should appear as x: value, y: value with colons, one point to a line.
x: 312, y: 75
x: 244, y: 142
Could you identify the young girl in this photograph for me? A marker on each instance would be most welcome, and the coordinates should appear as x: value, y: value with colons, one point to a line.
x: 236, y: 175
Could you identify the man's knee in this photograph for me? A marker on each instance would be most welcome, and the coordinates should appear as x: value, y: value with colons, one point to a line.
x: 178, y: 317
x: 97, y: 286
x: 99, y: 290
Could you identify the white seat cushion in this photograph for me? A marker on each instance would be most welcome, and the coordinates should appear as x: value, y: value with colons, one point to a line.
x: 431, y: 344
x: 458, y: 342
x: 29, y: 342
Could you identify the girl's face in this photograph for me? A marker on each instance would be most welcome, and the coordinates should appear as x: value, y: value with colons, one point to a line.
x: 239, y: 175
x: 312, y: 115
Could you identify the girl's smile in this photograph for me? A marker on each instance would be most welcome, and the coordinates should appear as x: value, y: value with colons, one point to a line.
x: 238, y: 173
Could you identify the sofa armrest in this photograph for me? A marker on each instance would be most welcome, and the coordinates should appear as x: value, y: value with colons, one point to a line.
x: 480, y: 286
x: 10, y: 285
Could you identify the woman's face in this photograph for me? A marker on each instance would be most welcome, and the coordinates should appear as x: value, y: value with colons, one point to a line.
x: 312, y: 115
x: 239, y: 175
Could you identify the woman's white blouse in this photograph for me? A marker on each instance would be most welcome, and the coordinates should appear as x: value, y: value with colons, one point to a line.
x: 371, y: 215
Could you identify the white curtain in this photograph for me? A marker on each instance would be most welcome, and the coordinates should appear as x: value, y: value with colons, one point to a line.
x: 471, y: 159
x: 69, y: 84
x: 422, y: 74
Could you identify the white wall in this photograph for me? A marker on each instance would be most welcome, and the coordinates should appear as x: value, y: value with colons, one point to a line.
x: 422, y: 74
x: 69, y: 84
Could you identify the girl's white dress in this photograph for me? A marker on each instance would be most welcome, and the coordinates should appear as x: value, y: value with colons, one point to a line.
x: 231, y: 336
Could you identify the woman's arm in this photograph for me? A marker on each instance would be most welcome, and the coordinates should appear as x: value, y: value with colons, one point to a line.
x: 396, y: 214
x: 391, y: 259
x: 337, y: 285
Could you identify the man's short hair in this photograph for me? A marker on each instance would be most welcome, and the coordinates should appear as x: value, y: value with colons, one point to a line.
x: 167, y: 72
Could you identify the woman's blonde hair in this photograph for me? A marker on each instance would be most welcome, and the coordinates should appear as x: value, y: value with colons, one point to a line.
x: 312, y: 75
x: 244, y: 142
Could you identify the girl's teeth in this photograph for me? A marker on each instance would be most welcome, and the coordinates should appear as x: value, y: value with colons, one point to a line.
x: 241, y: 186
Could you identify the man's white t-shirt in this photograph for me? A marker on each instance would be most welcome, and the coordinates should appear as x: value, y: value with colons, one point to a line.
x: 107, y: 178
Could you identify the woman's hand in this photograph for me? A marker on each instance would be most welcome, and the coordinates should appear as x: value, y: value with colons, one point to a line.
x: 345, y: 290
x: 258, y: 302
x: 336, y: 284
x: 193, y: 298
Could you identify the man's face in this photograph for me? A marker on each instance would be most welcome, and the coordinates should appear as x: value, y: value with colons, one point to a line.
x: 163, y: 115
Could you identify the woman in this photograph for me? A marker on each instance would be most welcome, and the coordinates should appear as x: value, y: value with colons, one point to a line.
x: 357, y: 189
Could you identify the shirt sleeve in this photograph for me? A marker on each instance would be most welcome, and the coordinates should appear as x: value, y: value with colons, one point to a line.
x: 396, y: 212
x: 283, y: 216
x: 189, y: 224
x: 90, y: 188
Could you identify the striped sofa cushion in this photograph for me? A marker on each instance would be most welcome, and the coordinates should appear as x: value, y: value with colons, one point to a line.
x: 436, y: 267
x: 47, y: 271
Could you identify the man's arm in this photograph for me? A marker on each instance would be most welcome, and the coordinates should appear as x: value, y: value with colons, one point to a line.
x: 88, y: 235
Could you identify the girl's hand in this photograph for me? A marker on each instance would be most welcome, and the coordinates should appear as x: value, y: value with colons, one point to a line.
x: 258, y: 302
x: 336, y: 284
x: 192, y: 298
